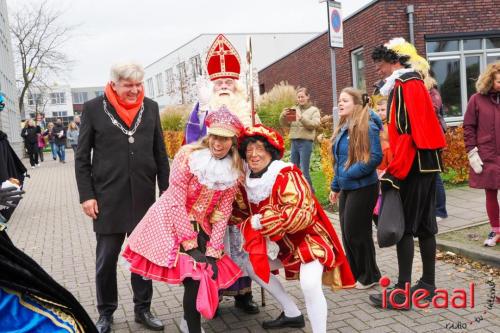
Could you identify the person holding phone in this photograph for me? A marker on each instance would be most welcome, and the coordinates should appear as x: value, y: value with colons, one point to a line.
x: 303, y: 120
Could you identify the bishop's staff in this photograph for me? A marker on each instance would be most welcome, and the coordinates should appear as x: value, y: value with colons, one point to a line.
x: 250, y: 79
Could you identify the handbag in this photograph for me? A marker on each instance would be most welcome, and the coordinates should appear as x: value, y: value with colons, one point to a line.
x: 391, y: 221
x: 207, y: 300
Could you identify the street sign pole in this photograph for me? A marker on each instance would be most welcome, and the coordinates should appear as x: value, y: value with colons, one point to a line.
x: 336, y: 39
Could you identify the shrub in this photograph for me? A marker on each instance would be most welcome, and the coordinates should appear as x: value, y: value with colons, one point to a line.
x: 326, y: 159
x: 173, y: 142
x: 174, y: 117
x: 272, y: 103
x: 456, y: 163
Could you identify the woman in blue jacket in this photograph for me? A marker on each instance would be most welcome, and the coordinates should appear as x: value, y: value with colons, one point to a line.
x: 357, y: 153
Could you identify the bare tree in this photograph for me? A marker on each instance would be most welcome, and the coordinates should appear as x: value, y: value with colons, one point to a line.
x: 38, y: 37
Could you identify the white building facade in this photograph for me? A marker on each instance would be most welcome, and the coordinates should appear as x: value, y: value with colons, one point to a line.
x: 10, y: 118
x: 53, y: 102
x: 173, y: 79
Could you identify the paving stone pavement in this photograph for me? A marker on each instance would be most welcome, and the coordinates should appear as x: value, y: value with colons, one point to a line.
x: 50, y: 226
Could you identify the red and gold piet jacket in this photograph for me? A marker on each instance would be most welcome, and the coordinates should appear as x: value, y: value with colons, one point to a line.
x: 293, y: 218
x: 414, y: 130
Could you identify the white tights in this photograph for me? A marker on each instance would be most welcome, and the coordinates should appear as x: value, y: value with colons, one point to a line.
x: 310, y: 282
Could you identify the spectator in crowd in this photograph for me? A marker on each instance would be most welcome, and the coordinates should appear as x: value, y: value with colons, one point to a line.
x: 49, y: 133
x: 381, y: 110
x: 357, y: 152
x: 41, y: 144
x: 72, y: 134
x: 30, y: 135
x: 303, y: 120
x: 416, y: 140
x: 77, y: 122
x: 437, y: 103
x: 120, y: 155
x: 59, y: 133
x: 482, y: 141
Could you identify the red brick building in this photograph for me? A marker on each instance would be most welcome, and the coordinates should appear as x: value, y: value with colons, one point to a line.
x: 459, y: 38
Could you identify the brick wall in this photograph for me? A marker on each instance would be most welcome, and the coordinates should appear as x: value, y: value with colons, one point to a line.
x: 309, y: 66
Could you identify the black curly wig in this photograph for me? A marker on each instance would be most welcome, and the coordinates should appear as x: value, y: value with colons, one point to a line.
x: 275, y: 154
x: 382, y: 53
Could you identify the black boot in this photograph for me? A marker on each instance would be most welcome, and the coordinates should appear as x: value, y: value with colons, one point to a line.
x: 284, y: 321
x: 245, y: 302
x: 147, y: 319
x: 103, y: 325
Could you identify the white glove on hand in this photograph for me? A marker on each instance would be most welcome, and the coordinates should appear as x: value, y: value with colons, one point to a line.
x: 272, y: 249
x: 204, y: 93
x: 475, y: 161
x: 255, y: 221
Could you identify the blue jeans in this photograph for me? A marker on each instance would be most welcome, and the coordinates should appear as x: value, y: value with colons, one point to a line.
x: 61, y: 152
x: 53, y: 149
x: 440, y: 198
x: 301, y: 156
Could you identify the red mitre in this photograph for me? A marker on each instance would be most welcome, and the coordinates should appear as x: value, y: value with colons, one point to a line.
x: 223, y: 61
x: 271, y: 136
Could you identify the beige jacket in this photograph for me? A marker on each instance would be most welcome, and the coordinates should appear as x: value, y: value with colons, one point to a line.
x: 305, y: 127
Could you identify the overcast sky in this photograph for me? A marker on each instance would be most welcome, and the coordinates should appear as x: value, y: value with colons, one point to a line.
x: 145, y: 30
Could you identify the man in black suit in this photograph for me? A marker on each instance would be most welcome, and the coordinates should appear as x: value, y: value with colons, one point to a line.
x: 121, y: 154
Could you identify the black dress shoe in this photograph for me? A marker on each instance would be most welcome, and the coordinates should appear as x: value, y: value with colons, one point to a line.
x: 103, y: 325
x: 147, y: 319
x: 284, y: 321
x: 423, y: 285
x: 246, y: 303
x: 377, y: 300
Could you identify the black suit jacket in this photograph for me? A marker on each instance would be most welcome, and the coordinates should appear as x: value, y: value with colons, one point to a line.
x: 120, y: 175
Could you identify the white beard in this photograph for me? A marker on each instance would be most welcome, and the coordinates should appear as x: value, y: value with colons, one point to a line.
x: 235, y: 103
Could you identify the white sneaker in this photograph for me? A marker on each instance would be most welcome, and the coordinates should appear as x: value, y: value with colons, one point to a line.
x: 184, y: 326
x: 361, y: 286
x: 32, y: 166
x: 38, y: 165
x: 490, y: 242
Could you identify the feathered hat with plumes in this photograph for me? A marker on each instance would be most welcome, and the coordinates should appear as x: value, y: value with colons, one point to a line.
x: 403, y: 48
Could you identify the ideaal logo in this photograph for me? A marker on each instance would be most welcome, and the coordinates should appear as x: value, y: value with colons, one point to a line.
x: 460, y: 298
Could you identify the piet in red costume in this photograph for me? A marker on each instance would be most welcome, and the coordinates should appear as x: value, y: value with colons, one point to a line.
x: 284, y: 225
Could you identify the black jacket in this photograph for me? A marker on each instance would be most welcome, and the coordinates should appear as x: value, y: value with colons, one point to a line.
x: 120, y: 175
x: 55, y: 134
x: 29, y: 135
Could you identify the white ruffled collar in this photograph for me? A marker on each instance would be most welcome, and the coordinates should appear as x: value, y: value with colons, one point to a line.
x: 259, y: 189
x: 391, y: 80
x: 215, y: 174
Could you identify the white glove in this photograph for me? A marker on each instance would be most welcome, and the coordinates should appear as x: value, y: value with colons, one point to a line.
x: 204, y: 93
x: 272, y: 249
x: 475, y: 161
x: 255, y: 221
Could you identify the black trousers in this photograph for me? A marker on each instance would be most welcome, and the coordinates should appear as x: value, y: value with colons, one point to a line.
x: 32, y: 149
x: 107, y: 252
x: 355, y: 213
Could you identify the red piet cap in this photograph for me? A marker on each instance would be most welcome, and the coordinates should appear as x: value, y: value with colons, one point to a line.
x: 270, y: 134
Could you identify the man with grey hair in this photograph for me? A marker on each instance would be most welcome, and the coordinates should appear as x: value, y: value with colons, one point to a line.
x: 120, y: 155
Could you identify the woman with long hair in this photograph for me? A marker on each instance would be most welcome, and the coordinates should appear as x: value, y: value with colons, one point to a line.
x: 72, y: 135
x: 357, y: 153
x: 481, y: 127
x: 181, y: 235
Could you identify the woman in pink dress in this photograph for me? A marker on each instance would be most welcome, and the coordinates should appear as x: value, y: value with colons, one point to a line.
x: 181, y: 236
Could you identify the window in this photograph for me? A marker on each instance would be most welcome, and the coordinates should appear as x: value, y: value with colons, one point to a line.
x: 169, y: 76
x: 151, y: 88
x: 57, y: 98
x: 34, y: 99
x: 358, y: 66
x: 80, y: 97
x: 59, y: 113
x: 456, y: 65
x: 181, y: 69
x: 159, y: 84
x: 196, y: 66
x: 99, y: 93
